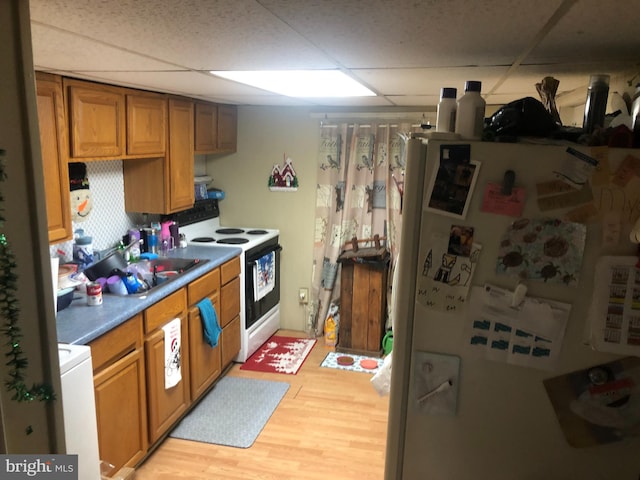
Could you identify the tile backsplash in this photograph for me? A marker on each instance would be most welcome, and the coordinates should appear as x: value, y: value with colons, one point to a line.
x: 108, y: 221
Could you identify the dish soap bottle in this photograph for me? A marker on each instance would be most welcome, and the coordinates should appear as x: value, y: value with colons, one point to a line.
x: 470, y: 112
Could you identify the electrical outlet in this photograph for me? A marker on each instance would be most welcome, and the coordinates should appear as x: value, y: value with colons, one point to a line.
x: 303, y: 296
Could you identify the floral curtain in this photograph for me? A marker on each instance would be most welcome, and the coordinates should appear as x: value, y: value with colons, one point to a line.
x: 360, y: 180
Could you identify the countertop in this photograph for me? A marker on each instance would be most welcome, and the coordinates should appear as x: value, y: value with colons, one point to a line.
x: 80, y: 323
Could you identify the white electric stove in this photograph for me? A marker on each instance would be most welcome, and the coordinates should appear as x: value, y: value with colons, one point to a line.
x: 259, y: 319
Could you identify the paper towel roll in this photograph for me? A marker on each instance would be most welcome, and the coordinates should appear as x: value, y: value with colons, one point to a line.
x: 55, y: 262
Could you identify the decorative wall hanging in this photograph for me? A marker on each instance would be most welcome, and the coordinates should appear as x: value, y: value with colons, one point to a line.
x: 283, y: 178
x: 81, y: 201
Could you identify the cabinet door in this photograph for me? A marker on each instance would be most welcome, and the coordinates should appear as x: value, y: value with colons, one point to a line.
x: 97, y: 120
x: 52, y: 143
x: 227, y: 128
x: 146, y: 124
x: 180, y: 166
x: 230, y: 341
x: 204, y: 360
x: 206, y: 128
x: 121, y: 411
x: 165, y: 405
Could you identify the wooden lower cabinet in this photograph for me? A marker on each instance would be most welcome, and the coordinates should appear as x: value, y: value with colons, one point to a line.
x: 230, y: 310
x: 120, y: 393
x: 230, y: 341
x: 121, y: 411
x: 204, y: 360
x: 134, y: 409
x: 166, y: 405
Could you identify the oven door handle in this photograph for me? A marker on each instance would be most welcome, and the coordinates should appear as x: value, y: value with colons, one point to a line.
x: 254, y: 258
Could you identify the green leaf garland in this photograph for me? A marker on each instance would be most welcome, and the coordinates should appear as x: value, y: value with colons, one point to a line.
x: 9, y: 313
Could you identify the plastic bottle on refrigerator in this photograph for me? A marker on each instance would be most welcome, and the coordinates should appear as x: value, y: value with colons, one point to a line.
x: 635, y: 117
x: 470, y: 112
x: 446, y: 117
x: 596, y: 104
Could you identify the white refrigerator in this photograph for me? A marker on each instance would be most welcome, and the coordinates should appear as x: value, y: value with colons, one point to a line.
x: 506, y: 361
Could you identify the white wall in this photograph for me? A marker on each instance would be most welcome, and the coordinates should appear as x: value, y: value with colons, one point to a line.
x: 26, y: 231
x: 265, y: 135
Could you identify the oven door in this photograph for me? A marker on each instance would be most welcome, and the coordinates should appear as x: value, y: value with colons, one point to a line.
x: 255, y: 310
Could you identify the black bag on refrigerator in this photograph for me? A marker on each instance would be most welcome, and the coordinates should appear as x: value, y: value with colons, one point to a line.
x: 526, y: 117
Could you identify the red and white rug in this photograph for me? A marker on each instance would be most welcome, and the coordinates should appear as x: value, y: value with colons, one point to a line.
x: 280, y: 355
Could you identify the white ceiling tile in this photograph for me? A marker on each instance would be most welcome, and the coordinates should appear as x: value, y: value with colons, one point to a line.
x: 53, y: 48
x: 406, y: 50
x: 593, y: 30
x: 411, y: 81
x: 184, y: 82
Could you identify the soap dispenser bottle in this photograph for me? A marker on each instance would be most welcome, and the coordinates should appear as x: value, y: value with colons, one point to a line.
x: 166, y: 240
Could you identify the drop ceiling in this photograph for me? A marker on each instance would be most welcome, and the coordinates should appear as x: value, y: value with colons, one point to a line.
x: 404, y: 50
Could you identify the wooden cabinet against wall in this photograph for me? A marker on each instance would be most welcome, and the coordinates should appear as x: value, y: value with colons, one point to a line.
x: 96, y: 120
x: 363, y: 307
x: 164, y: 185
x: 180, y: 166
x: 216, y: 128
x: 53, y: 144
x: 166, y: 405
x: 120, y: 392
x: 204, y: 360
x: 227, y: 128
x: 230, y: 310
x: 146, y: 124
x: 206, y: 127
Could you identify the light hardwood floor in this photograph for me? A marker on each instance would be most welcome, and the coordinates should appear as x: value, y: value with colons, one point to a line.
x: 331, y: 424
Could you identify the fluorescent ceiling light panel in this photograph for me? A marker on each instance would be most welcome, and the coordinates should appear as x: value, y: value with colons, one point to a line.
x: 300, y: 83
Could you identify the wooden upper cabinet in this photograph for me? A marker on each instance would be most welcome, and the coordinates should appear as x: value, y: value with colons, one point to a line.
x: 164, y: 185
x: 206, y: 127
x: 227, y: 128
x: 53, y: 138
x: 216, y: 128
x: 96, y: 120
x: 146, y: 124
x: 180, y: 158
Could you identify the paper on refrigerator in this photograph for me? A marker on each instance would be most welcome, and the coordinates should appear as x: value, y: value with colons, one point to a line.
x: 614, y: 316
x: 445, y: 279
x: 529, y: 334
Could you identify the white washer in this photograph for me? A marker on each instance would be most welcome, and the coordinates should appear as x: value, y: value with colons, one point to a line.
x: 79, y: 408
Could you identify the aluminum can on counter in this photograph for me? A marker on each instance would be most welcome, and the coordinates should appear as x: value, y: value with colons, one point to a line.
x: 94, y: 294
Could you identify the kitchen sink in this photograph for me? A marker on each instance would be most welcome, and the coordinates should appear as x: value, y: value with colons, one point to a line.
x: 152, y: 274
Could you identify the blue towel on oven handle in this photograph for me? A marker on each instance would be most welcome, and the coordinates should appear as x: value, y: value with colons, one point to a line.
x: 210, y: 325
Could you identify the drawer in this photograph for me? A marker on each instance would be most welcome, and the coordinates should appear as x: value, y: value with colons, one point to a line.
x: 229, y: 301
x: 166, y: 309
x: 230, y: 270
x: 116, y: 343
x: 206, y: 286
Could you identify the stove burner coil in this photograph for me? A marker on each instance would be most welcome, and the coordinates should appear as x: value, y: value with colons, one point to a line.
x: 229, y: 231
x: 257, y: 232
x: 233, y: 240
x: 203, y: 239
